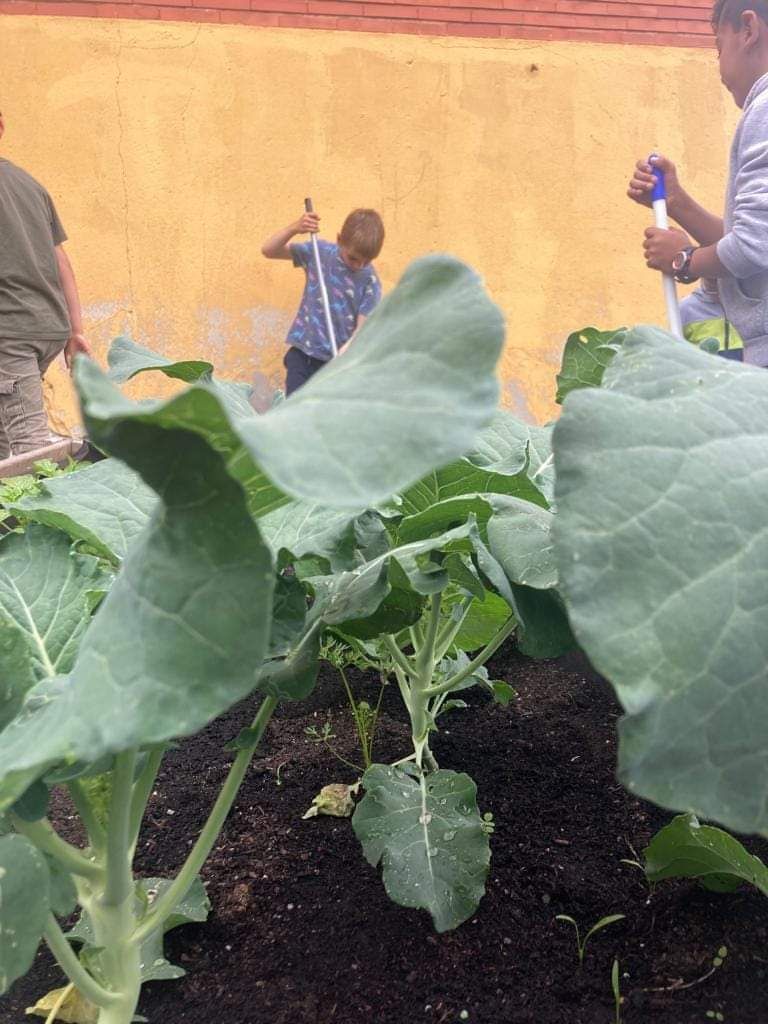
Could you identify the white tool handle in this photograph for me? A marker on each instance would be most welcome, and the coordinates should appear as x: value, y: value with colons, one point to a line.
x: 323, y: 291
x: 662, y: 221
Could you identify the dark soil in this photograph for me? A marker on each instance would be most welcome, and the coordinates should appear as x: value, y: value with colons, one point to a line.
x: 302, y: 931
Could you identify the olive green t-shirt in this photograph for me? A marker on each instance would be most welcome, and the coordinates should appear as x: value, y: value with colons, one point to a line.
x: 32, y: 303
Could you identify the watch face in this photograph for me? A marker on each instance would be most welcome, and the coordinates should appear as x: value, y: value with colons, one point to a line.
x: 678, y: 260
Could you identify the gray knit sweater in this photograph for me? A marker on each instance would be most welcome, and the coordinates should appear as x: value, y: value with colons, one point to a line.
x: 743, y: 250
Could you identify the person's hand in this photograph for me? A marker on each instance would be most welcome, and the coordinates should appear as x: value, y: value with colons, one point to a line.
x: 661, y: 247
x: 643, y: 181
x: 307, y: 222
x: 77, y: 345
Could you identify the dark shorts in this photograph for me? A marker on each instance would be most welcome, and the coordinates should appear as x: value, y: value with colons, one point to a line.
x: 299, y: 367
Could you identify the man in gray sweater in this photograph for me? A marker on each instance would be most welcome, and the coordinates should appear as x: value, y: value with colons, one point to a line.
x: 39, y: 307
x: 734, y: 249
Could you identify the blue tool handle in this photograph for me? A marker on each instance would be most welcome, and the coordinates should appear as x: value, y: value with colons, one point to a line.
x: 660, y: 188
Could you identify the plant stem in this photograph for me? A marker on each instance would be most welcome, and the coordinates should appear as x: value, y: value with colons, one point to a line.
x: 425, y: 659
x: 45, y: 838
x: 74, y: 970
x: 397, y: 655
x: 199, y: 852
x: 142, y: 790
x: 375, y: 720
x: 451, y: 630
x: 359, y: 725
x: 84, y: 808
x: 477, y: 662
x: 119, y: 884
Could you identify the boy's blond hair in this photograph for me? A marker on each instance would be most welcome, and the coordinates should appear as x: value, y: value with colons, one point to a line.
x: 363, y: 232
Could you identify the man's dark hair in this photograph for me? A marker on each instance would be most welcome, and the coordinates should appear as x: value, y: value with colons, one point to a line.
x: 732, y: 10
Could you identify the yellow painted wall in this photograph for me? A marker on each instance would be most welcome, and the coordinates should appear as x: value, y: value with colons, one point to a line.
x: 172, y: 150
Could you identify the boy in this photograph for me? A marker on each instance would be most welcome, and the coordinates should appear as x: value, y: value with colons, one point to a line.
x: 733, y: 250
x: 39, y: 307
x: 350, y: 279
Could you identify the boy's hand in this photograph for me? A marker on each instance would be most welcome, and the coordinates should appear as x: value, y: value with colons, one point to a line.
x: 307, y: 222
x: 643, y: 181
x: 661, y: 246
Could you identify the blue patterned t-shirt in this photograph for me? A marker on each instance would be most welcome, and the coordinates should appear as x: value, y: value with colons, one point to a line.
x: 351, y: 293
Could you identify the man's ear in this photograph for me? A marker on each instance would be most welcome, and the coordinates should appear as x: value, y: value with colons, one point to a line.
x: 752, y: 28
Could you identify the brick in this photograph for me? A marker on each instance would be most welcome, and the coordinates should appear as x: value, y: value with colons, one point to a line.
x: 345, y: 8
x: 280, y: 6
x: 257, y: 19
x: 18, y: 7
x: 389, y: 11
x: 72, y: 10
x: 196, y: 14
x: 306, y: 21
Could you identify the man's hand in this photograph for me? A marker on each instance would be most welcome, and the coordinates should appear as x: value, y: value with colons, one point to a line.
x: 77, y: 345
x: 307, y: 222
x: 661, y: 247
x: 643, y: 181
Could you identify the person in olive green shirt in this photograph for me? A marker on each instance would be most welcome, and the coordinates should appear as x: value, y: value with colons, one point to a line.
x: 39, y: 307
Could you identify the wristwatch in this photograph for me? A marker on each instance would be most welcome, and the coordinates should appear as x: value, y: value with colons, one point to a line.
x: 681, y: 265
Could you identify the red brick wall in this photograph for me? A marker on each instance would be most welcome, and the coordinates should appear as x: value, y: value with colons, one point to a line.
x: 661, y: 22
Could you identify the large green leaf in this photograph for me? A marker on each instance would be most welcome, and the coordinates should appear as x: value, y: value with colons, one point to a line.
x: 428, y: 835
x: 195, y: 590
x: 520, y: 538
x: 507, y: 445
x: 687, y: 849
x: 126, y: 359
x: 586, y: 355
x: 662, y: 544
x: 45, y: 606
x: 463, y: 479
x: 24, y: 906
x: 106, y: 505
x: 304, y: 528
x: 358, y: 593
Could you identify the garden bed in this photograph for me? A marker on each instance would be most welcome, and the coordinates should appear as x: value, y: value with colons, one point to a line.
x: 302, y: 931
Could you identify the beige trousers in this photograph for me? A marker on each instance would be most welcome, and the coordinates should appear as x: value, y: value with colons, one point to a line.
x: 23, y: 421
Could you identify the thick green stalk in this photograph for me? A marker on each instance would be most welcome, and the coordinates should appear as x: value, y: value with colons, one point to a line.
x: 199, y: 852
x: 45, y: 838
x: 477, y: 662
x: 119, y: 884
x: 113, y: 911
x: 74, y: 970
x: 419, y: 682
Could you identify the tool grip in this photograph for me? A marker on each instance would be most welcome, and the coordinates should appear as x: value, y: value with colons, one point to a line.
x: 660, y: 188
x: 309, y: 208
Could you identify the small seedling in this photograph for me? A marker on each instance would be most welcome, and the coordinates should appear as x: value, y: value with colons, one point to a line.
x: 488, y: 825
x: 342, y: 656
x: 616, y: 986
x: 714, y: 1015
x: 324, y: 736
x: 581, y: 945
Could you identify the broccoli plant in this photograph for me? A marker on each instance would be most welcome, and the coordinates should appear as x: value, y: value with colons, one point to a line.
x: 198, y: 616
x: 429, y: 585
x: 662, y: 486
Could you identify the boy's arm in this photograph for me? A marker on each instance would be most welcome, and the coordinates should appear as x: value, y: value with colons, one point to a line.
x: 76, y: 343
x: 277, y: 248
